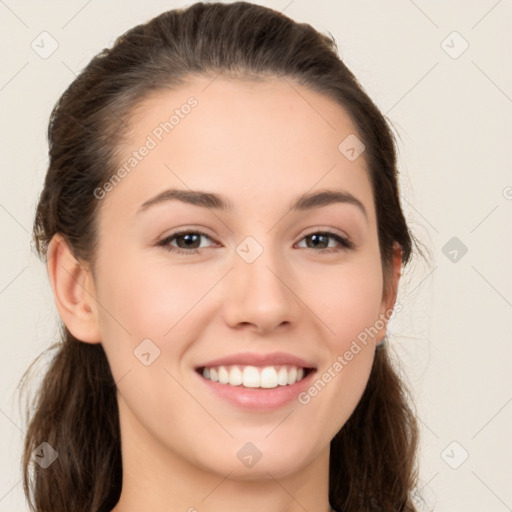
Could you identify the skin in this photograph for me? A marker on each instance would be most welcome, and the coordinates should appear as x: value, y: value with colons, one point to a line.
x: 261, y: 145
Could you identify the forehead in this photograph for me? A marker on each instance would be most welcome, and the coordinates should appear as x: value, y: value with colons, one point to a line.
x: 237, y: 107
x: 242, y: 138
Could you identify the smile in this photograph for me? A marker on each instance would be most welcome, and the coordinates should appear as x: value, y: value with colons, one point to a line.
x: 255, y: 377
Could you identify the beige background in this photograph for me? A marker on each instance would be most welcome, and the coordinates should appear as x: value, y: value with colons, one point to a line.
x: 453, y: 117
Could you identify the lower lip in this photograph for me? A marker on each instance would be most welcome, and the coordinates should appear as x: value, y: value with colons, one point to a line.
x: 260, y: 399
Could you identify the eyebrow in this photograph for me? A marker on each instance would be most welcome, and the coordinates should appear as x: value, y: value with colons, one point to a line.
x: 307, y: 201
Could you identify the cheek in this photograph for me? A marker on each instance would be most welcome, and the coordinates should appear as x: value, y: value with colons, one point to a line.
x: 348, y: 300
x: 149, y: 309
x: 149, y: 300
x: 349, y: 308
x: 161, y: 303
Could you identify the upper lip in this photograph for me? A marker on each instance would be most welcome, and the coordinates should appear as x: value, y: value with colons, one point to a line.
x: 254, y: 359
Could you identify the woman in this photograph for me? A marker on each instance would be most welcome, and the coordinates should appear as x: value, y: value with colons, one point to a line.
x: 224, y: 240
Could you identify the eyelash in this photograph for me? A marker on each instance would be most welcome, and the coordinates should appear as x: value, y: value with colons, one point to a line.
x: 344, y: 242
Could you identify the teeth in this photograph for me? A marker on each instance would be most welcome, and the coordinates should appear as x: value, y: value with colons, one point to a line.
x: 235, y: 376
x: 223, y: 375
x: 268, y: 377
x: 255, y: 377
x: 282, y: 377
x: 250, y: 377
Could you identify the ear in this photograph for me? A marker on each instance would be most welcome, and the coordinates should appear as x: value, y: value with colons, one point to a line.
x: 73, y: 290
x: 389, y: 295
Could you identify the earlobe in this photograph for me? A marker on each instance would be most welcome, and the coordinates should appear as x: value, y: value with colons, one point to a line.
x: 73, y: 291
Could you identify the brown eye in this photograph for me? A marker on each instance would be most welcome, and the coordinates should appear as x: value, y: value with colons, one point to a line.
x: 186, y: 242
x: 321, y: 239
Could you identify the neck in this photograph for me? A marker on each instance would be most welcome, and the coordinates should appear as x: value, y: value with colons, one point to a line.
x: 157, y: 479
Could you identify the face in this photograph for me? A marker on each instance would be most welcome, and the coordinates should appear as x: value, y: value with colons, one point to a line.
x: 277, y: 294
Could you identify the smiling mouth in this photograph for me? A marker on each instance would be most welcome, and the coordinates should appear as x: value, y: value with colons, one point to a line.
x: 247, y: 376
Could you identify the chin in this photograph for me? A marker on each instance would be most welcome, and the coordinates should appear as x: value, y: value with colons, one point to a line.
x: 250, y: 463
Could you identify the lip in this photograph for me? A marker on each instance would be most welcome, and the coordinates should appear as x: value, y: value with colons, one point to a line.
x: 258, y: 399
x: 255, y: 359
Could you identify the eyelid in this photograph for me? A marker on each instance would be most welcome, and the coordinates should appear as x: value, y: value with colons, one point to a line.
x: 326, y: 229
x: 163, y: 241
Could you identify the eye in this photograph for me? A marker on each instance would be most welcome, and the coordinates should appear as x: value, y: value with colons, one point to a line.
x: 189, y: 242
x: 320, y: 240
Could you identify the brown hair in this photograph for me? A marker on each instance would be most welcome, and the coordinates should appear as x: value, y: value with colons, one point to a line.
x: 373, y: 456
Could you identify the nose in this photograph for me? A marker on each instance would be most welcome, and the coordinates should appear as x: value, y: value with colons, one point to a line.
x: 260, y: 295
